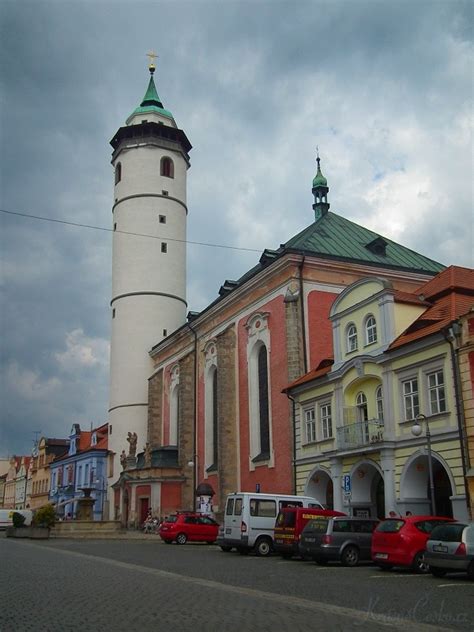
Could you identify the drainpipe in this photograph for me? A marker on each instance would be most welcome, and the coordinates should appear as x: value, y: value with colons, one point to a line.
x: 303, y: 325
x: 294, y: 439
x: 195, y: 460
x: 451, y: 335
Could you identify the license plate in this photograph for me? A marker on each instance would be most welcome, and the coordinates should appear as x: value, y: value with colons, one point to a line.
x: 440, y: 548
x: 228, y: 531
x: 310, y: 539
x: 381, y: 556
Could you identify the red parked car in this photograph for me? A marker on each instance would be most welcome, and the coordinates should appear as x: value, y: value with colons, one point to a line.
x: 402, y: 541
x: 188, y: 525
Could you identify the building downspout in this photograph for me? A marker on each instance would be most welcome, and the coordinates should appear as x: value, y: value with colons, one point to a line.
x: 294, y: 440
x: 451, y: 335
x: 195, y: 450
x: 303, y: 324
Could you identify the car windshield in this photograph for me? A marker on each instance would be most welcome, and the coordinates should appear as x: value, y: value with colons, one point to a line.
x: 171, y: 519
x: 390, y: 526
x: 448, y: 532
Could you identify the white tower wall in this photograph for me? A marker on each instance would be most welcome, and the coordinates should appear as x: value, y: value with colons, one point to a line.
x: 148, y: 272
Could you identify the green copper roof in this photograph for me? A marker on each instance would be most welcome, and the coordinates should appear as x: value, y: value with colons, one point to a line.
x: 319, y: 179
x: 335, y: 237
x: 151, y: 102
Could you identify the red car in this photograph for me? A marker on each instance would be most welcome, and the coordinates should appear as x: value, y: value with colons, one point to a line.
x: 402, y: 541
x: 188, y: 525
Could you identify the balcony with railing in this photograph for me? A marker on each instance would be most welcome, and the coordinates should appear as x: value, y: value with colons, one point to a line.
x: 360, y: 434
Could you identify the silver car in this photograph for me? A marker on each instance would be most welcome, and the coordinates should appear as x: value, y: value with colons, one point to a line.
x: 451, y: 549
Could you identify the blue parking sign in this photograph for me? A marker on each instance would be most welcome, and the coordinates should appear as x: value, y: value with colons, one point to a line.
x: 347, y: 483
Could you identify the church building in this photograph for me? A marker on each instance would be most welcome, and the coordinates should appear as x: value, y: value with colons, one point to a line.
x: 199, y: 395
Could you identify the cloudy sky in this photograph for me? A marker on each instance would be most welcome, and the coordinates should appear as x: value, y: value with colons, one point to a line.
x: 383, y: 87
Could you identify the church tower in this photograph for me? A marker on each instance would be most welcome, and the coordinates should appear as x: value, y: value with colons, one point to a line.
x: 151, y: 159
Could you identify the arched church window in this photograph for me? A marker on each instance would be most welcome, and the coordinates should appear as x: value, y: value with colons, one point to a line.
x: 118, y: 172
x: 174, y: 416
x: 167, y: 167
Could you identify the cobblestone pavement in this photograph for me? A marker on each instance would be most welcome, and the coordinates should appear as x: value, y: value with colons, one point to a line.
x: 147, y: 585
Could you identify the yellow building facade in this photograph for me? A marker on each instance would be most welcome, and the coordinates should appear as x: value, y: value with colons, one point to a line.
x: 355, y: 447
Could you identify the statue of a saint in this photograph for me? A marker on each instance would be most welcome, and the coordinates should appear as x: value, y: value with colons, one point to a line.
x: 147, y: 454
x: 132, y: 439
x: 123, y: 459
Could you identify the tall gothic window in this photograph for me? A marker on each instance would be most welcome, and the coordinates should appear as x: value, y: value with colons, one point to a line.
x: 174, y: 416
x: 214, y: 419
x: 263, y: 401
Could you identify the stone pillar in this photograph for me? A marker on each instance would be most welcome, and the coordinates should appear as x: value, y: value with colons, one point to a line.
x: 336, y: 475
x: 387, y: 463
x: 228, y: 452
x: 186, y: 426
x: 155, y: 409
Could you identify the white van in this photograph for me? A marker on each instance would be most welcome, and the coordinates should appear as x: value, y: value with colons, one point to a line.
x: 6, y: 517
x: 249, y: 520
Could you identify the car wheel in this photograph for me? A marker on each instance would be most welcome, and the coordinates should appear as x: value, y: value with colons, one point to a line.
x: 350, y: 556
x: 470, y: 570
x: 226, y: 548
x: 437, y: 572
x: 181, y: 538
x: 419, y: 565
x: 385, y: 567
x: 263, y: 547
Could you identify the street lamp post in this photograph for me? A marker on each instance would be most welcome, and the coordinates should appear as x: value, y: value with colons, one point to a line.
x: 416, y: 431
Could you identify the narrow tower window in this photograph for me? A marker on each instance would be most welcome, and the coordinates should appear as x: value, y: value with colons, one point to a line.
x: 162, y: 219
x: 167, y: 167
x: 164, y: 246
x: 118, y: 172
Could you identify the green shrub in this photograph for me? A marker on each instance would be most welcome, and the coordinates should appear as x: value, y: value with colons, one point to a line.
x: 44, y: 516
x: 18, y: 520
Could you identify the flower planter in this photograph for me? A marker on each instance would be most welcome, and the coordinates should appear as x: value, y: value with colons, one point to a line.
x: 33, y: 533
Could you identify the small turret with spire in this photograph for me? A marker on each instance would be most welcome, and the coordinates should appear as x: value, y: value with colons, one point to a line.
x: 320, y: 191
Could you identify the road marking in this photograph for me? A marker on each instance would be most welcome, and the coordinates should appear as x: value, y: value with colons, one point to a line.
x: 398, y: 623
x: 397, y: 576
x: 459, y: 584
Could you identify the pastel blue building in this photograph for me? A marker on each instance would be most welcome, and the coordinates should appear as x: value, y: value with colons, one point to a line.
x: 84, y: 467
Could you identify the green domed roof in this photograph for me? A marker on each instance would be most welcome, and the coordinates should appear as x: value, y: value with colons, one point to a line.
x: 319, y: 180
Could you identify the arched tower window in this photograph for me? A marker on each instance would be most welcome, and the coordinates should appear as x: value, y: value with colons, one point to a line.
x: 351, y: 338
x: 167, y: 167
x: 118, y: 172
x: 370, y: 330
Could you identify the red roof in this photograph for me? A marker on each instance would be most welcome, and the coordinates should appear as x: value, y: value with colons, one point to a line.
x: 453, y: 278
x: 322, y: 369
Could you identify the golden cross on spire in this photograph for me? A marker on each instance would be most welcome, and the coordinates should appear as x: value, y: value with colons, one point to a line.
x: 152, y: 55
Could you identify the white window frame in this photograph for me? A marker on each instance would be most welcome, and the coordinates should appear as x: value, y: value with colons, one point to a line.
x: 351, y: 338
x: 370, y: 330
x: 379, y: 403
x: 436, y: 388
x: 410, y: 397
x: 310, y: 424
x: 325, y: 420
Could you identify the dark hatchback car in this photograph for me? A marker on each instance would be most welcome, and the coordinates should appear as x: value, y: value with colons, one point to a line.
x: 338, y: 538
